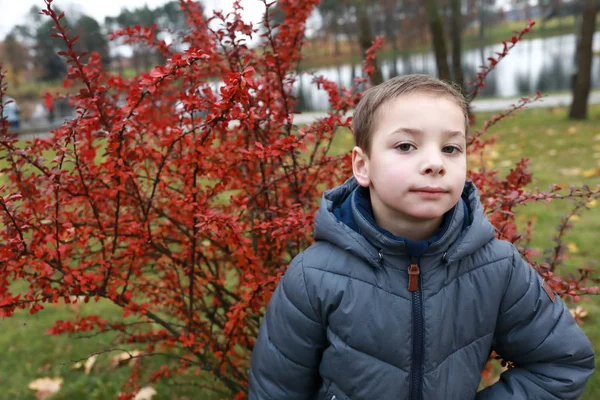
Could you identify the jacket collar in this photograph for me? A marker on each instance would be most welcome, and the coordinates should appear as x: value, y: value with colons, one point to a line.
x: 466, y: 232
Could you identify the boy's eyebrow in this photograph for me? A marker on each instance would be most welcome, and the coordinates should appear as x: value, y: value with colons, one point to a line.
x: 418, y: 132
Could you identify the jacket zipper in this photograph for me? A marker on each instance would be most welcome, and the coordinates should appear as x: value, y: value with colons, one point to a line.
x: 414, y: 286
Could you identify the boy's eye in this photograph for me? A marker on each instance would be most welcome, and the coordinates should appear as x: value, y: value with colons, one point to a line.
x: 451, y: 150
x: 405, y: 147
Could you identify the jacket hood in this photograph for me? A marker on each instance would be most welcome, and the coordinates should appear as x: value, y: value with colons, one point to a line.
x: 466, y: 231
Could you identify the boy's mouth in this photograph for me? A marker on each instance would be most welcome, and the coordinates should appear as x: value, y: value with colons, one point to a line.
x: 429, y: 189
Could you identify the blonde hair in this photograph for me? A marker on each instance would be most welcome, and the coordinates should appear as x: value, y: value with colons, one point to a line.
x: 364, y: 118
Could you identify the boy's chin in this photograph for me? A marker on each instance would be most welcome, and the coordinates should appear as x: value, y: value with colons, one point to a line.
x: 423, y: 217
x: 427, y: 214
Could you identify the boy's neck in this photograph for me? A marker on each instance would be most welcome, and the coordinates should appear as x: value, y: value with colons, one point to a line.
x: 414, y: 230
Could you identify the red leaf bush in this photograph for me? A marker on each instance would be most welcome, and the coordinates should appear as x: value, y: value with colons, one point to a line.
x: 183, y: 204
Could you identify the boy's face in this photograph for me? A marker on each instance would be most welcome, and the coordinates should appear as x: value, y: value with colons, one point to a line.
x: 417, y: 166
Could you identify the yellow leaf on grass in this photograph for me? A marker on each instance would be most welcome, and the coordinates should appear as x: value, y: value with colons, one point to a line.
x: 45, y: 387
x: 588, y: 173
x: 591, y: 203
x: 597, y: 147
x: 570, y: 171
x: 597, y: 138
x: 552, y: 152
x: 572, y: 130
x: 575, y: 218
x: 572, y: 248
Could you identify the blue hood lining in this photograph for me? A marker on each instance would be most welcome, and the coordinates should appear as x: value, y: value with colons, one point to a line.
x: 362, y: 199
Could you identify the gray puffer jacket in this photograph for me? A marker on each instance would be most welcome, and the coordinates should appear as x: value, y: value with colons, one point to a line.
x: 343, y: 324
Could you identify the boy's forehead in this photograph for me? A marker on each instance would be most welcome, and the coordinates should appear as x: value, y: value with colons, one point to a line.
x: 395, y: 106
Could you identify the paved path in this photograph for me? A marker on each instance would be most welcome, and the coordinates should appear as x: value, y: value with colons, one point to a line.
x: 481, y: 105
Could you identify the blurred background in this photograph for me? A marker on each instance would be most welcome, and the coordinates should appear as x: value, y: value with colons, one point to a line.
x: 417, y: 33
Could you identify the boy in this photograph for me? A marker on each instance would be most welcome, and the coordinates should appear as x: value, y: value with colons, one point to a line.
x: 406, y: 290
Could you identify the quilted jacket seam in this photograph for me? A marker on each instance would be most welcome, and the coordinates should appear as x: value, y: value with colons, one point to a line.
x: 457, y: 350
x: 362, y: 352
x: 468, y: 272
x: 545, y: 337
x: 306, y: 290
x: 297, y: 308
x: 529, y: 283
x: 284, y: 356
x: 359, y: 280
x: 260, y: 385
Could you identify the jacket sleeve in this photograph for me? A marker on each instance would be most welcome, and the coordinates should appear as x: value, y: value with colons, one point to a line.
x: 291, y: 338
x: 553, y: 358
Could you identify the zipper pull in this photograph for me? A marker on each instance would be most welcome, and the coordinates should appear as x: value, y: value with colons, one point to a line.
x: 413, y: 277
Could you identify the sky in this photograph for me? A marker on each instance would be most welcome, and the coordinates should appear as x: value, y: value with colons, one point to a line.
x: 13, y: 12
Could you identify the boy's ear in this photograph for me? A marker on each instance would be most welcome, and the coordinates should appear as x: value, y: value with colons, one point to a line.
x: 360, y: 166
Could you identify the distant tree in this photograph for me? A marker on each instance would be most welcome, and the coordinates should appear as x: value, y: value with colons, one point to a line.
x: 392, y: 25
x: 583, y: 79
x: 51, y: 65
x: 366, y: 36
x: 437, y: 37
x: 330, y: 11
x: 91, y: 38
x: 456, y: 29
x: 35, y: 35
x: 143, y: 57
x: 16, y: 54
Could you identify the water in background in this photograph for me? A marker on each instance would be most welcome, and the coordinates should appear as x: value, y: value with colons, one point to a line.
x: 545, y: 64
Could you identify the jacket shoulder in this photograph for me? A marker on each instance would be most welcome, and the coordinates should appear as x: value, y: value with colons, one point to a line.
x: 329, y: 258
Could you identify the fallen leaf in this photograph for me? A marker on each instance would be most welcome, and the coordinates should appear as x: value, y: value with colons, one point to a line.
x: 75, y: 303
x: 550, y: 132
x: 89, y: 363
x: 588, y: 173
x: 572, y: 248
x: 578, y: 313
x: 145, y: 393
x: 552, y: 152
x: 597, y: 138
x: 45, y: 387
x: 120, y: 358
x: 572, y: 130
x: 570, y: 171
x: 575, y: 218
x: 591, y: 203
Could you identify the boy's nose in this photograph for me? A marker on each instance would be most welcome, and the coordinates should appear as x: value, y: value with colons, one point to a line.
x: 433, y: 165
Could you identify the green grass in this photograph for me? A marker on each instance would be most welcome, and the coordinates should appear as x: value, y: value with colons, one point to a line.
x: 29, y: 353
x: 557, y: 148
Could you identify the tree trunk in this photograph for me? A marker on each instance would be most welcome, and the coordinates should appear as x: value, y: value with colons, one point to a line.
x: 582, y: 81
x: 437, y: 36
x: 456, y: 27
x: 336, y: 34
x: 481, y: 16
x: 366, y: 37
x: 391, y: 28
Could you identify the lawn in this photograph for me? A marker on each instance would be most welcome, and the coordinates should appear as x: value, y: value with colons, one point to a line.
x: 561, y: 151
